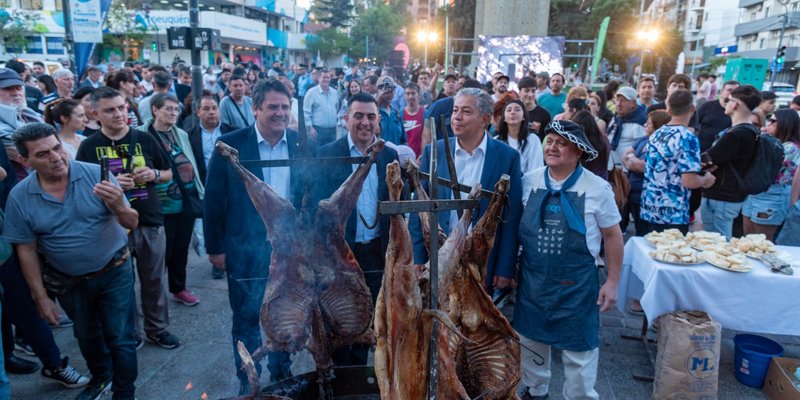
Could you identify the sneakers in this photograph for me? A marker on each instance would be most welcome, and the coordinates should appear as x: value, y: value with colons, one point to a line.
x: 65, y: 375
x: 94, y: 390
x: 217, y: 273
x: 165, y: 340
x: 23, y: 347
x: 19, y: 366
x: 186, y: 297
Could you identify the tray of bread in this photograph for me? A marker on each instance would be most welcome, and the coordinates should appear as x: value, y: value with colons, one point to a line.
x: 677, y: 253
x: 668, y: 237
x: 753, y: 245
x: 702, y: 239
x: 725, y: 256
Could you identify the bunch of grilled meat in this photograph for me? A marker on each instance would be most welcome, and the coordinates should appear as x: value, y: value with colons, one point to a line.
x: 316, y: 298
x: 478, y: 352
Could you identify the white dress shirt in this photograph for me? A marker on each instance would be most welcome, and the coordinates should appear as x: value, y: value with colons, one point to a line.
x: 278, y: 177
x: 469, y: 168
x: 367, y: 204
x: 209, y: 139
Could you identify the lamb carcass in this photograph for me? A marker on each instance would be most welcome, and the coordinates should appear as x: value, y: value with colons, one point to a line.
x: 316, y: 297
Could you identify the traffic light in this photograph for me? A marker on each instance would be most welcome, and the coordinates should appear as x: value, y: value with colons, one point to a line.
x: 574, y: 65
x: 781, y: 55
x: 154, y: 46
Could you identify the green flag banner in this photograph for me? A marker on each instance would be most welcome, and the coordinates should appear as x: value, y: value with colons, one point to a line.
x: 598, y: 50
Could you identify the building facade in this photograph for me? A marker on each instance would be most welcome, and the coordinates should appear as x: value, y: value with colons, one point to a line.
x: 258, y: 31
x: 758, y: 33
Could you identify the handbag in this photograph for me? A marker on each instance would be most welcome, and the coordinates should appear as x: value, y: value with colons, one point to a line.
x: 55, y: 281
x: 620, y: 185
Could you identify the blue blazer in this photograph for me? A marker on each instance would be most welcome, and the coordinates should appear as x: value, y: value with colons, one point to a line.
x: 230, y: 222
x: 327, y: 183
x: 500, y: 159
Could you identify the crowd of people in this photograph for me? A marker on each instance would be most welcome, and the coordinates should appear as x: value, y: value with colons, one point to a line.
x: 121, y: 162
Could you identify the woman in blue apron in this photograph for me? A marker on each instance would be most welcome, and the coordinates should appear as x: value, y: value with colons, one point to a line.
x: 569, y: 211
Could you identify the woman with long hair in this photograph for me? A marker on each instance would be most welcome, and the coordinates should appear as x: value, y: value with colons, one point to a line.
x: 84, y: 95
x: 47, y: 85
x: 69, y: 118
x: 252, y: 77
x: 599, y: 166
x: 764, y: 212
x: 512, y: 129
x: 181, y: 197
x: 352, y: 88
x: 595, y: 107
x: 125, y: 82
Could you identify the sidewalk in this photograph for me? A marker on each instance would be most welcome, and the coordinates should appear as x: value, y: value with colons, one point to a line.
x: 205, y: 359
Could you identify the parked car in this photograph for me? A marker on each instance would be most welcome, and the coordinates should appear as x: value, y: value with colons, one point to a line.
x: 784, y: 91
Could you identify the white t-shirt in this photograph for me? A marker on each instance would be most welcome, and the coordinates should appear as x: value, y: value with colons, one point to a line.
x: 532, y: 157
x: 600, y: 210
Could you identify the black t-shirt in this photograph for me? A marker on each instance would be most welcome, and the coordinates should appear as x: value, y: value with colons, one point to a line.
x: 712, y: 120
x: 540, y: 115
x: 735, y: 148
x: 143, y: 198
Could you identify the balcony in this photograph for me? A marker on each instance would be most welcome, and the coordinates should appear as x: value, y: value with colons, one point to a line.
x: 766, y: 24
x: 277, y: 38
x: 748, y: 3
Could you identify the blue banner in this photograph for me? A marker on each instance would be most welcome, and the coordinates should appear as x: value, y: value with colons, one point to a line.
x: 83, y: 51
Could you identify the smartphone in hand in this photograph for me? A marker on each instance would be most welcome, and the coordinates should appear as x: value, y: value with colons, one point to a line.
x: 103, y: 168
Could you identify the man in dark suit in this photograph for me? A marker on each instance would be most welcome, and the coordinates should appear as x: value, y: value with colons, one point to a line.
x: 236, y: 239
x: 478, y: 158
x: 205, y: 134
x: 367, y: 240
x: 94, y: 77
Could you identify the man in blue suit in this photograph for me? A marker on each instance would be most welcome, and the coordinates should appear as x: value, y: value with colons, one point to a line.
x: 478, y: 158
x: 366, y: 232
x: 236, y: 239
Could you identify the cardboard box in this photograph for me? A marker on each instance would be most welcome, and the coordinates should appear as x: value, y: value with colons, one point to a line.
x: 779, y: 384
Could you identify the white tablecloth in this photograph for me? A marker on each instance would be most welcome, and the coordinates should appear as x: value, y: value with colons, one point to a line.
x: 758, y: 301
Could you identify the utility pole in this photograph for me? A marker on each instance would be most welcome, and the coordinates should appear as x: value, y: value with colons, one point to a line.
x: 69, y: 40
x: 785, y: 21
x: 197, y: 78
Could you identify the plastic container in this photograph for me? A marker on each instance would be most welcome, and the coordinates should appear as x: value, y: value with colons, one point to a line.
x: 752, y: 356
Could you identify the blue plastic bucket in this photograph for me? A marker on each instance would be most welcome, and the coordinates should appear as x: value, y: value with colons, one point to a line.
x: 752, y: 356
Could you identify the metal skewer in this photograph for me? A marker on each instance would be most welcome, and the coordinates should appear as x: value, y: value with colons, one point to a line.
x: 433, y: 257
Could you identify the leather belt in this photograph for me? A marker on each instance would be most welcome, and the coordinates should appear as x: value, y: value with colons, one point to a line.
x: 120, y: 257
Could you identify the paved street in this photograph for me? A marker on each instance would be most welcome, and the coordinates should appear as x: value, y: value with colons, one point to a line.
x: 205, y: 359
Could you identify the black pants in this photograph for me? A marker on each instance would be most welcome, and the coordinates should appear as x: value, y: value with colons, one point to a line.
x: 325, y: 135
x: 178, y: 228
x: 651, y: 227
x: 370, y: 259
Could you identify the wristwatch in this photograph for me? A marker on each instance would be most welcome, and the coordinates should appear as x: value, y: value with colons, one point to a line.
x: 157, y: 174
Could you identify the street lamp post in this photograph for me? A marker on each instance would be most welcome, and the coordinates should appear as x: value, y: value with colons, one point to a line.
x: 646, y: 39
x: 426, y: 37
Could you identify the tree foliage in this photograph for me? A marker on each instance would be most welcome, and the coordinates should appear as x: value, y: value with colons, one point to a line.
x: 581, y: 19
x: 329, y: 42
x: 123, y: 29
x: 16, y: 27
x: 336, y: 13
x: 380, y: 25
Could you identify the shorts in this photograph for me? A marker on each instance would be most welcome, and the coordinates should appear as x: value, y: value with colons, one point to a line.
x: 770, y: 207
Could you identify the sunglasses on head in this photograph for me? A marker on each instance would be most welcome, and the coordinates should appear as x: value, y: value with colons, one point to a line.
x: 385, y: 86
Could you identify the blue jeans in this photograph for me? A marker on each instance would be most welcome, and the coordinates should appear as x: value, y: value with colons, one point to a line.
x: 247, y: 281
x: 22, y: 312
x: 718, y: 216
x: 103, y: 311
x: 5, y: 390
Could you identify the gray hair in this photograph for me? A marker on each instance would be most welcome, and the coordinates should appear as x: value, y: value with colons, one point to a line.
x: 62, y: 73
x: 484, y: 100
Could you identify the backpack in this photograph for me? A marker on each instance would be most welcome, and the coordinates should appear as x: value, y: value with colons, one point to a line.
x: 763, y: 168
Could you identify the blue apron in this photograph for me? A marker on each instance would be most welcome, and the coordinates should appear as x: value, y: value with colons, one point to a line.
x: 558, y: 288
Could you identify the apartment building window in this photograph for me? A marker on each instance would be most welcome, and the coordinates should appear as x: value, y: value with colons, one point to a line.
x: 795, y: 6
x: 763, y: 43
x: 34, y: 45
x: 752, y: 17
x: 766, y: 12
x: 30, y: 4
x: 55, y: 45
x: 699, y: 22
